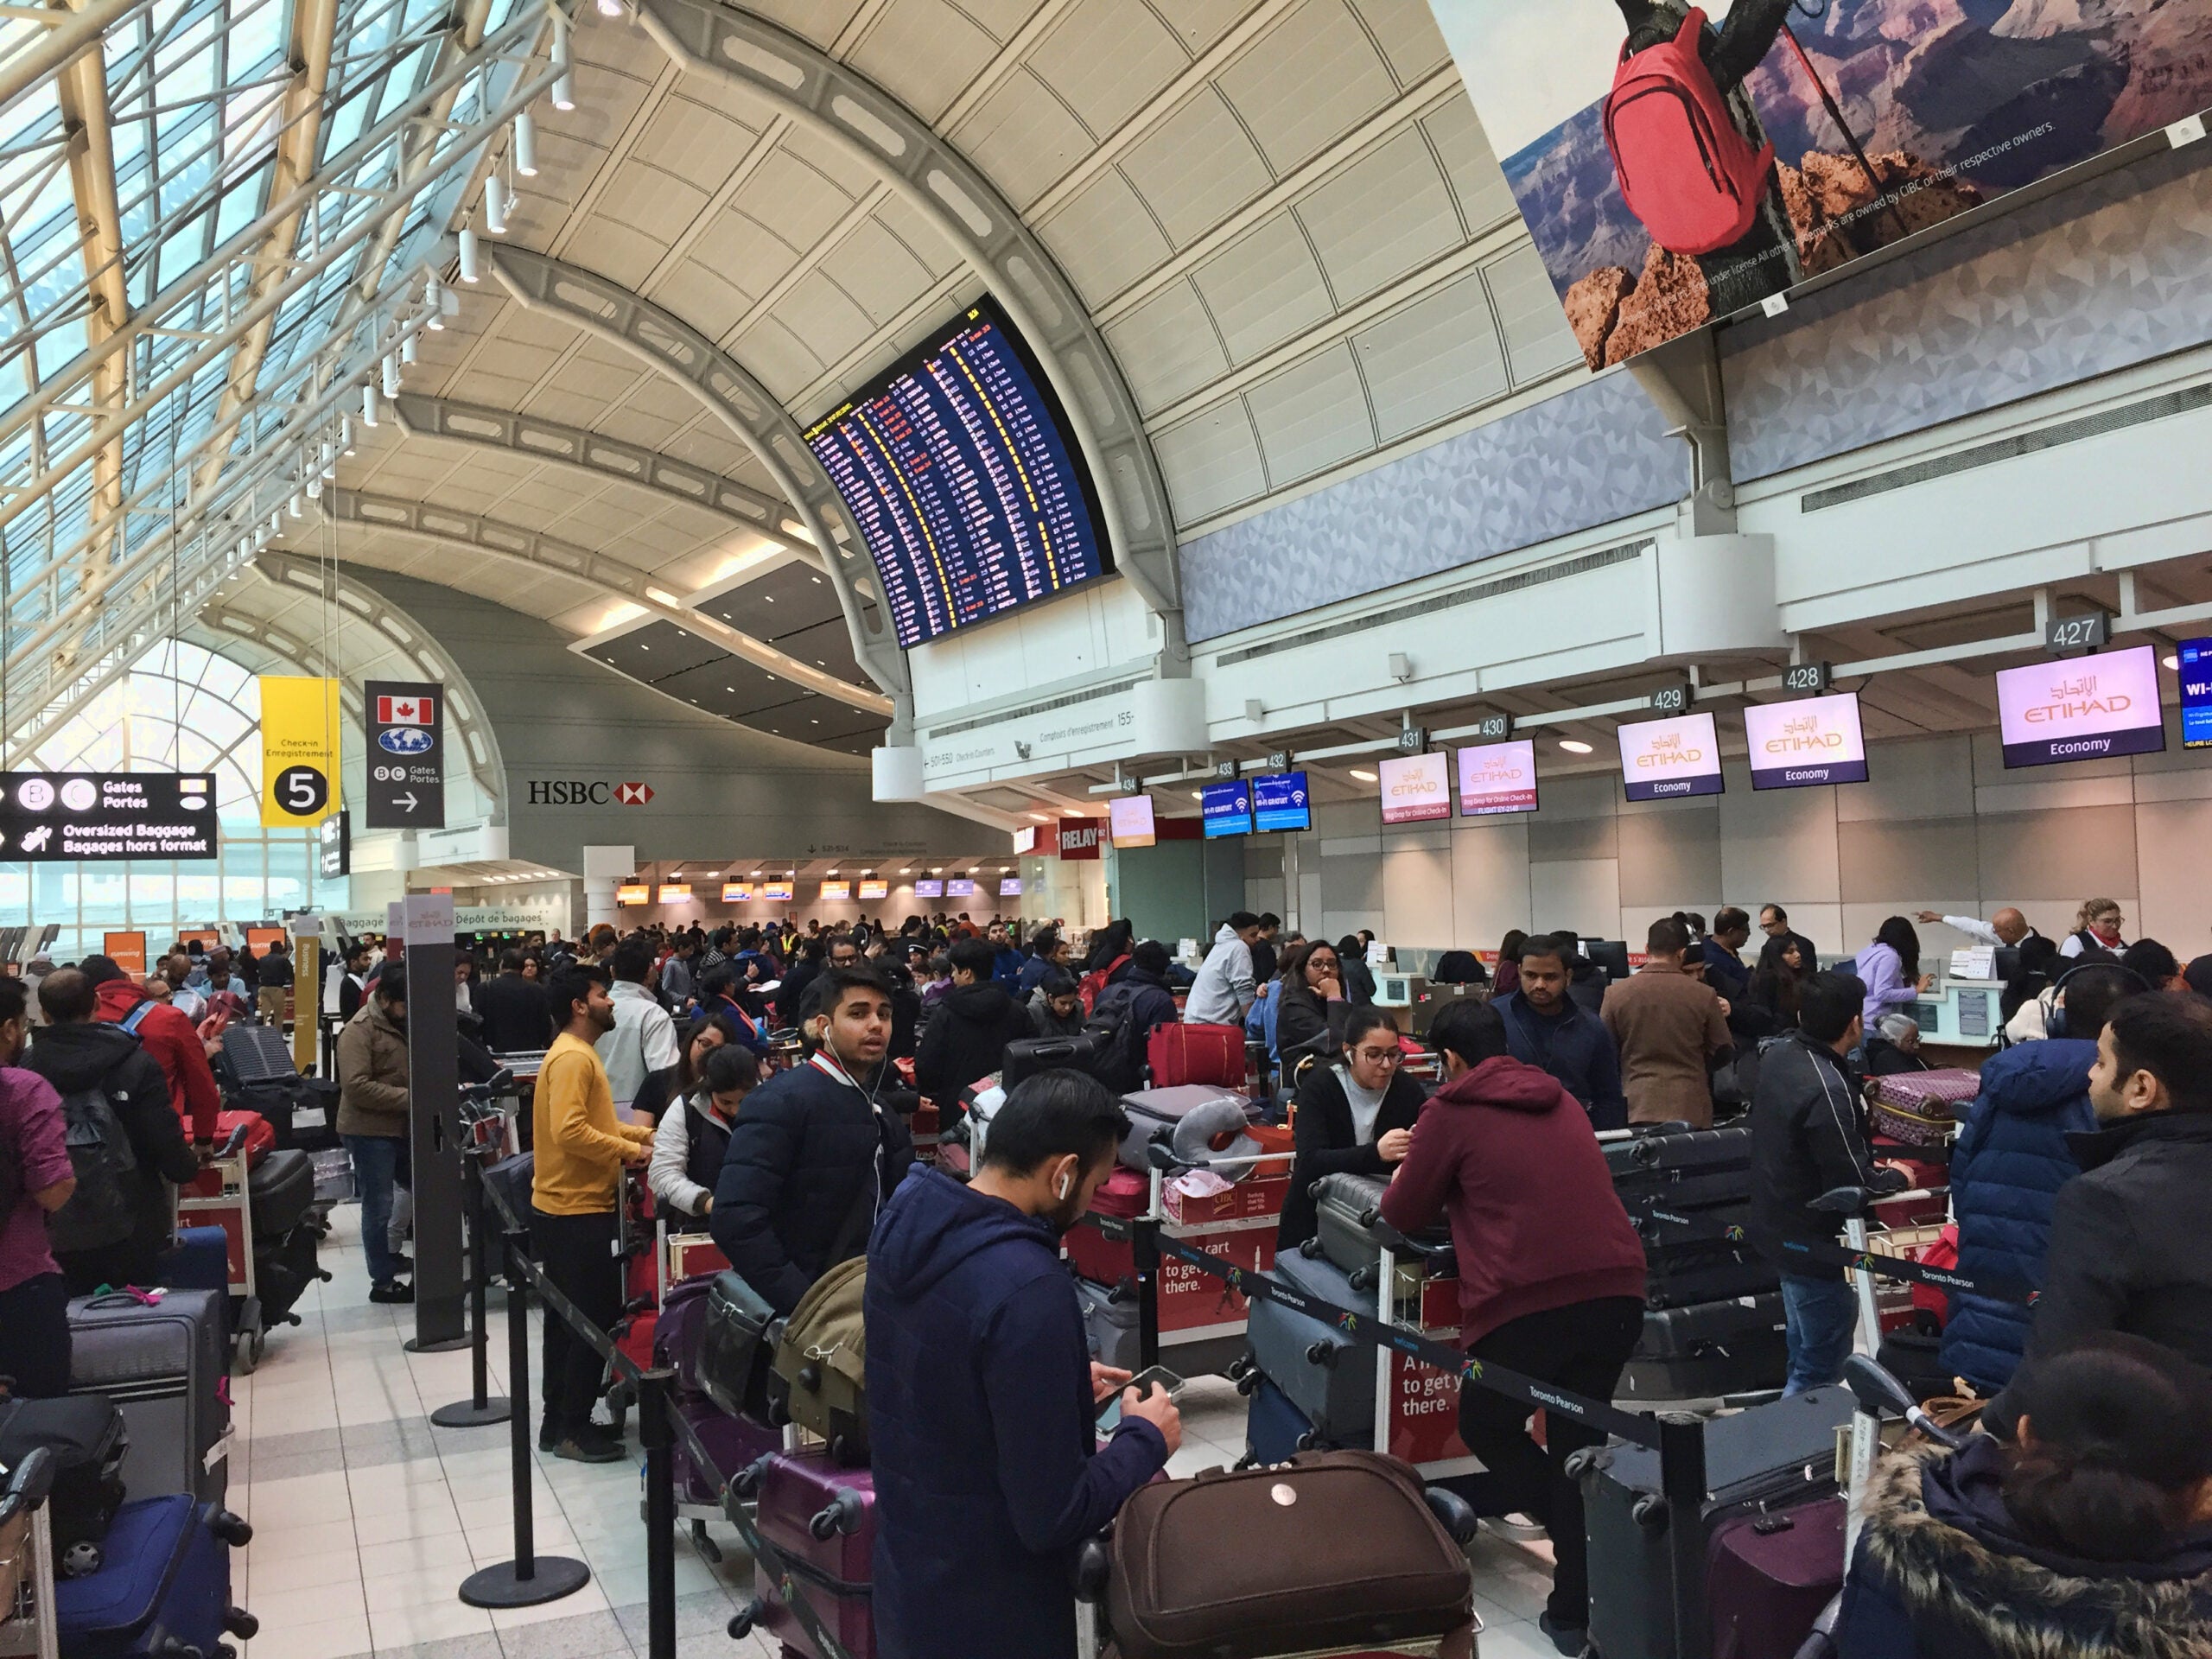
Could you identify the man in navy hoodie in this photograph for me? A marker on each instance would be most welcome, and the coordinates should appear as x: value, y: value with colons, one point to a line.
x: 983, y: 1395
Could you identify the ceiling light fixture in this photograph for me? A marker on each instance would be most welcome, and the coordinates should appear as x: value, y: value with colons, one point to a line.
x: 469, y: 268
x: 1574, y: 745
x: 433, y: 293
x: 1365, y: 777
x: 346, y: 433
x: 525, y: 145
x: 610, y: 8
x: 1042, y: 817
x: 2171, y: 659
x: 408, y: 352
x: 564, y: 83
x: 391, y: 375
x: 495, y: 204
x: 368, y: 405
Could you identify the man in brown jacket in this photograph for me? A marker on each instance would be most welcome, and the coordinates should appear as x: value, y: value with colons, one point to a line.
x: 372, y: 1121
x: 1668, y: 1024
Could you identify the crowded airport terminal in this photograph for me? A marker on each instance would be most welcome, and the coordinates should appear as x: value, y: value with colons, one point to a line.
x: 1106, y: 830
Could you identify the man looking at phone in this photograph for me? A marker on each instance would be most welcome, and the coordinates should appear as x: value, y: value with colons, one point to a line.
x: 983, y: 1395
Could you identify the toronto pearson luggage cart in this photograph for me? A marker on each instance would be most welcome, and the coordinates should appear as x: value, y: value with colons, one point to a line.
x: 220, y: 1196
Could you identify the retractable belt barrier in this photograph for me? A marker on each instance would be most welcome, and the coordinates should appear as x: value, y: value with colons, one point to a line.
x: 659, y: 1426
x: 1834, y: 1256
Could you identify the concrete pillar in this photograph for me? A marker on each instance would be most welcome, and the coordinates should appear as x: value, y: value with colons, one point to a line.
x: 605, y: 868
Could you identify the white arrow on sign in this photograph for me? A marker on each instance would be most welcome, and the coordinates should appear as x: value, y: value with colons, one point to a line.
x: 406, y: 800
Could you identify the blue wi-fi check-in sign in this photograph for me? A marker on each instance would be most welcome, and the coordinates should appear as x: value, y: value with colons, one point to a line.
x: 2194, y: 660
x: 1281, y: 802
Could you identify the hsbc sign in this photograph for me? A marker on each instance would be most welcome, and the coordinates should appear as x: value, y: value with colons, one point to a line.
x: 586, y: 791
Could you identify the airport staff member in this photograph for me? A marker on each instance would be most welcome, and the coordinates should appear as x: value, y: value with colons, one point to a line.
x: 2007, y: 927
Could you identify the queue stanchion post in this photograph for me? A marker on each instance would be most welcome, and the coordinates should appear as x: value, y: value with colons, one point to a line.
x: 1682, y: 1483
x: 1144, y: 1250
x: 481, y: 1409
x: 656, y: 1405
x: 530, y: 1580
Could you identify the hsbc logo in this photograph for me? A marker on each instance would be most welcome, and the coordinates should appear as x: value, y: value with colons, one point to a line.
x: 583, y: 791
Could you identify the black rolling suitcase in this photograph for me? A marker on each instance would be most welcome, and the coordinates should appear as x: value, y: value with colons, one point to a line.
x: 1684, y: 1275
x: 160, y: 1357
x: 1774, y: 1459
x: 1349, y: 1229
x: 1029, y: 1055
x: 87, y: 1438
x: 280, y: 1190
x: 1709, y: 1349
x: 1330, y: 1378
x: 1675, y: 1167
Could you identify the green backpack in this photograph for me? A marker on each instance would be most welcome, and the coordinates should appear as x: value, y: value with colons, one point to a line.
x: 821, y: 1357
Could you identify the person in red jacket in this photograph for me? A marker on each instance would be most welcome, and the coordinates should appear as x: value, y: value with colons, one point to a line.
x: 1551, y: 1273
x: 170, y: 1036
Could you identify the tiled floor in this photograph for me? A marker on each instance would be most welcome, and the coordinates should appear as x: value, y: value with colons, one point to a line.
x: 366, y: 1518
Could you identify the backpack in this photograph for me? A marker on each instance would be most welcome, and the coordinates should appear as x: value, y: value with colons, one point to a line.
x: 1687, y: 173
x: 821, y: 1357
x: 1120, y: 1061
x: 100, y: 1211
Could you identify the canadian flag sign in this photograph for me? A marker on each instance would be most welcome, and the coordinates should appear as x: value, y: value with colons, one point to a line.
x: 407, y: 711
x: 406, y: 750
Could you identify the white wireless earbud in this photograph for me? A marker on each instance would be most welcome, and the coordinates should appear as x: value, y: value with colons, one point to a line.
x: 1066, y: 1182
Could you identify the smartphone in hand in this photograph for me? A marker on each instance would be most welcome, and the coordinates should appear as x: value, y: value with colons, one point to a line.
x: 1154, y: 1376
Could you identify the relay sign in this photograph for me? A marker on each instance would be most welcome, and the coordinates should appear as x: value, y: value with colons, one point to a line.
x: 959, y: 468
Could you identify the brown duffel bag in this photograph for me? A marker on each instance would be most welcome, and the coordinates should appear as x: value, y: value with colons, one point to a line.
x: 1331, y: 1550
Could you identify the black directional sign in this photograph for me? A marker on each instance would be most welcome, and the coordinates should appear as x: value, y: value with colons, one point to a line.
x: 48, y: 816
x: 406, y: 754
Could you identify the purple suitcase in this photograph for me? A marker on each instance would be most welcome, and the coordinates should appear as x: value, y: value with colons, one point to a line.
x: 1768, y: 1576
x: 676, y: 1332
x: 834, y: 1572
x: 734, y: 1444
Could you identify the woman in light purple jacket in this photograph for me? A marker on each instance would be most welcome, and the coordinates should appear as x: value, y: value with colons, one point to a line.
x: 1890, y: 969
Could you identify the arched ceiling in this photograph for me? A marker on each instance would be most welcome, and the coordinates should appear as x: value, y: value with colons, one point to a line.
x: 1281, y: 215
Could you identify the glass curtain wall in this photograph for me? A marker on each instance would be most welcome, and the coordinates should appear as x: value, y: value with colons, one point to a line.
x: 180, y: 708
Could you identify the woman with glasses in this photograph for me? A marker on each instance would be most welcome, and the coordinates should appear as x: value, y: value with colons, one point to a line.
x: 1354, y: 1116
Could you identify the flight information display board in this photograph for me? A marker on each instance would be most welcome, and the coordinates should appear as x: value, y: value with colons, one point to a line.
x: 957, y: 466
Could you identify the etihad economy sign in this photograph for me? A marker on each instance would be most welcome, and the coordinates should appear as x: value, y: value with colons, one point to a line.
x: 1663, y: 759
x: 1812, y: 740
x: 2087, y: 708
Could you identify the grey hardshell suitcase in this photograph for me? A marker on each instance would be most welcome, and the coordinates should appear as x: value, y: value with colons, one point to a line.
x: 161, y: 1363
x: 1109, y: 1324
x: 1330, y: 1378
x: 1772, y: 1457
x: 1349, y: 1232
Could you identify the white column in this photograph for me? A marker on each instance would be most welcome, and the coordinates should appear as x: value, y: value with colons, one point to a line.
x: 604, y: 868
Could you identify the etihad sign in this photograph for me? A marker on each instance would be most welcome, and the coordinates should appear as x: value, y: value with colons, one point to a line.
x: 1670, y: 751
x: 1803, y: 736
x: 2074, y: 698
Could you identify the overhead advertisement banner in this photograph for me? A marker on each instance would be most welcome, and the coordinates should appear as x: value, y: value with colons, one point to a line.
x: 1671, y: 176
x: 2084, y: 708
x: 1812, y: 740
x: 406, y: 754
x: 52, y: 816
x: 299, y: 751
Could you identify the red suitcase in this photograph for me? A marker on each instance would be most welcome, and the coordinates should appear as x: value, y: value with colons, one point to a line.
x: 1769, y: 1575
x: 1180, y: 1054
x: 797, y: 1492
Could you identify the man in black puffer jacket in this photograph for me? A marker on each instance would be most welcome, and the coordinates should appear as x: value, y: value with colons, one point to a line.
x: 815, y: 1152
x: 968, y: 1032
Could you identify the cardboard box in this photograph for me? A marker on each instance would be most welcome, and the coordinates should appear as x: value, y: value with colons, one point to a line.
x: 1246, y: 1200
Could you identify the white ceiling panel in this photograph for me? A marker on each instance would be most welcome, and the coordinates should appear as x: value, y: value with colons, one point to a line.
x: 1022, y: 137
x: 1406, y: 30
x: 1429, y: 359
x: 652, y: 203
x: 1306, y: 81
x: 1201, y: 23
x: 686, y: 135
x: 1167, y: 347
x: 798, y: 201
x: 1107, y: 59
x: 1104, y: 238
x: 823, y: 314
x: 819, y: 20
x: 1197, y: 167
x: 925, y: 51
x: 1212, y: 461
x: 1386, y: 214
x: 877, y: 271
x: 1538, y: 342
x: 1477, y: 182
x: 919, y: 236
x: 999, y: 18
x: 701, y: 297
x: 1310, y: 415
x: 1264, y: 287
x: 777, y: 358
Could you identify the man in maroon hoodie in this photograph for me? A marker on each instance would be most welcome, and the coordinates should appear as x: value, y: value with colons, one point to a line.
x: 1551, y: 1273
x: 170, y: 1037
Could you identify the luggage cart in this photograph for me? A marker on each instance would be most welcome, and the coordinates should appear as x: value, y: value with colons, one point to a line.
x: 221, y: 1196
x: 27, y: 1627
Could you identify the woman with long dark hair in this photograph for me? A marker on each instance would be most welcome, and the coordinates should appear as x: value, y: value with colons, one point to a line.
x: 694, y: 1133
x: 710, y: 1032
x: 1890, y: 969
x: 1779, y: 974
x: 1508, y: 977
x: 2088, y: 1535
x: 1311, y: 1020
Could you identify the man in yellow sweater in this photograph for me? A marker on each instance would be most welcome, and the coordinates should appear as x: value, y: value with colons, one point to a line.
x: 581, y: 1148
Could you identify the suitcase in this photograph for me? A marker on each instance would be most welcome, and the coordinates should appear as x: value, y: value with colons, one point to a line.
x: 1346, y: 1209
x: 1772, y: 1457
x: 200, y: 1261
x: 677, y: 1333
x: 1681, y: 1275
x: 733, y: 1444
x: 1337, y: 1551
x: 280, y: 1190
x: 1916, y: 1361
x: 284, y: 1267
x: 87, y: 1437
x: 1030, y: 1055
x: 1179, y: 1055
x: 1330, y: 1378
x: 1700, y: 1327
x: 1197, y: 1121
x: 1275, y: 1431
x: 734, y: 1349
x: 1919, y: 1107
x: 260, y: 1134
x: 161, y: 1362
x: 1109, y: 1324
x: 1683, y: 1168
x: 1768, y: 1577
x: 165, y: 1589
x: 800, y: 1492
x: 1709, y: 1350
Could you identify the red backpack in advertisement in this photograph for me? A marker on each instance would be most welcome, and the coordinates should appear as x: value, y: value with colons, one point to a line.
x: 1688, y: 174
